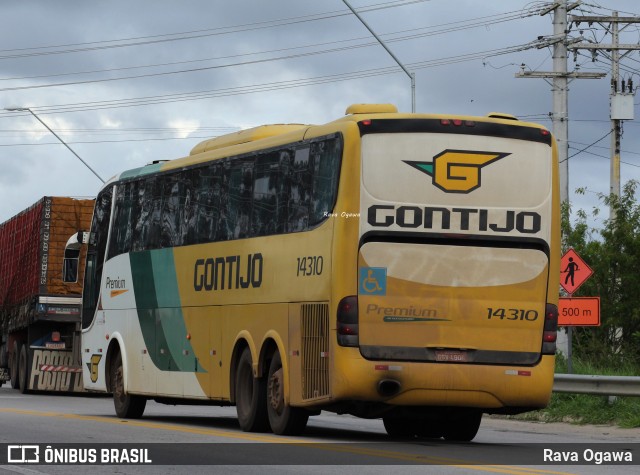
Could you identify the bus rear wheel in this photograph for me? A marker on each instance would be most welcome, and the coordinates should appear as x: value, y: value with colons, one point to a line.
x: 405, y: 427
x: 463, y: 428
x: 283, y: 419
x: 399, y: 427
x: 127, y: 406
x: 251, y: 396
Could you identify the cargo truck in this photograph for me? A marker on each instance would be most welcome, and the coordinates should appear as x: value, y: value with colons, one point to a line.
x: 41, y: 276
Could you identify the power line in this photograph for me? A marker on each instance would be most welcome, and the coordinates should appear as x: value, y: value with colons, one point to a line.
x: 195, y: 34
x: 159, y: 139
x: 508, y: 17
x: 590, y: 145
x: 225, y: 92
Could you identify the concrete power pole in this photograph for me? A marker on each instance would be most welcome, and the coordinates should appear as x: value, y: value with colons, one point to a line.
x: 560, y: 90
x: 621, y: 98
x: 560, y: 113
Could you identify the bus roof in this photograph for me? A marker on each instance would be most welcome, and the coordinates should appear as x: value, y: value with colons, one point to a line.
x: 354, y: 113
x: 244, y: 136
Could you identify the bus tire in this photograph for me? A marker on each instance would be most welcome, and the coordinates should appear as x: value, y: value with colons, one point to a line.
x: 409, y: 428
x: 283, y: 419
x: 24, y: 370
x: 401, y: 428
x: 251, y: 396
x: 127, y: 406
x: 464, y: 428
x: 430, y: 429
x: 13, y: 368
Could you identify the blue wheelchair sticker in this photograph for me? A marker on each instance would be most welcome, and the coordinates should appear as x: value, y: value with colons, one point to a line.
x: 373, y: 281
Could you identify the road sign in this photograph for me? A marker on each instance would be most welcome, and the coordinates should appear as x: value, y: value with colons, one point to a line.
x: 579, y: 311
x: 573, y: 271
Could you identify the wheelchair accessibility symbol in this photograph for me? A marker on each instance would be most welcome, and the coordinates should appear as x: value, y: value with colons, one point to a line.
x: 373, y: 280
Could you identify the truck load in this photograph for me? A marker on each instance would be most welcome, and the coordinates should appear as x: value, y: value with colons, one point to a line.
x: 41, y: 276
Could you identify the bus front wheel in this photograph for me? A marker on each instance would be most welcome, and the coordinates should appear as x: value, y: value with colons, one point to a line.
x: 251, y: 393
x: 127, y: 406
x: 283, y: 419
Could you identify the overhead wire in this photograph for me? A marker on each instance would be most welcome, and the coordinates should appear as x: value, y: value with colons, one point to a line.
x: 194, y: 34
x: 236, y: 90
x: 466, y: 24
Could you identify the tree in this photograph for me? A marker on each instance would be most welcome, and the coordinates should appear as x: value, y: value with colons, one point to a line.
x: 613, y: 252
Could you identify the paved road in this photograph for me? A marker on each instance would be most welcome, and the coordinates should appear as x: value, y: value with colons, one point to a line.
x: 332, y: 443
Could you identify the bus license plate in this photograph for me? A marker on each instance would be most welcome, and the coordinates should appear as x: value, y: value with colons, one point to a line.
x: 451, y: 356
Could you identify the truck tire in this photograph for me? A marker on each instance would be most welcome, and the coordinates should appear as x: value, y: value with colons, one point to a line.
x: 13, y: 369
x: 128, y: 406
x: 24, y: 369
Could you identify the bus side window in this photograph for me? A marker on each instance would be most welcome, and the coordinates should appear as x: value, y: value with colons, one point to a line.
x: 96, y: 255
x: 154, y: 235
x: 236, y: 217
x: 170, y: 224
x: 269, y: 201
x: 326, y: 155
x: 299, y: 196
x: 207, y: 189
x: 122, y: 232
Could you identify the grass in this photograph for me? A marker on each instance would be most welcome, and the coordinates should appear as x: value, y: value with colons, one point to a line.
x: 588, y: 409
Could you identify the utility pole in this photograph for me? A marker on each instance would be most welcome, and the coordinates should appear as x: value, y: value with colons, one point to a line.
x: 560, y: 113
x: 621, y: 97
x: 560, y: 77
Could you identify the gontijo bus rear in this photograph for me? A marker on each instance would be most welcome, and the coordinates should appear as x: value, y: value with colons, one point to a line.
x: 386, y: 265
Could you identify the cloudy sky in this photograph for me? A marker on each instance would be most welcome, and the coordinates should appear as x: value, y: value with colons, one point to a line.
x: 126, y: 83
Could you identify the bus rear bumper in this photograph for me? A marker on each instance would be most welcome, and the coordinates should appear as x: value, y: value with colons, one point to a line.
x: 489, y: 387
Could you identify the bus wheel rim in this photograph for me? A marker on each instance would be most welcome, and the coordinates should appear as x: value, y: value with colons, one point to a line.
x: 276, y: 394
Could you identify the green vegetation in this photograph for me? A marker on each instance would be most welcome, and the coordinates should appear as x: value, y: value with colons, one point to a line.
x: 613, y: 252
x: 587, y: 409
x: 613, y: 349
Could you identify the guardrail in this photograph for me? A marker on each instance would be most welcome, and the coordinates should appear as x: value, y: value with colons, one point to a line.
x: 598, y: 385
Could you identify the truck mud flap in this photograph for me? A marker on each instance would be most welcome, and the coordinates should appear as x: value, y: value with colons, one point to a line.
x: 53, y: 370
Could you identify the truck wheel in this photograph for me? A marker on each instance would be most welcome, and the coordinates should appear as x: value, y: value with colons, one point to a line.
x: 127, y: 406
x: 15, y: 354
x: 251, y: 397
x: 24, y: 370
x: 283, y: 419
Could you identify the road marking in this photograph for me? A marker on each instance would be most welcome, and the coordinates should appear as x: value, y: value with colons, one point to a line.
x: 417, y: 458
x: 23, y: 470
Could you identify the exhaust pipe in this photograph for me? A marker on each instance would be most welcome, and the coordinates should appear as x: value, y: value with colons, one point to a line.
x: 388, y: 387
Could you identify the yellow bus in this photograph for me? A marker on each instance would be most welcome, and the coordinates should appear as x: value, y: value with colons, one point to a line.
x: 385, y: 265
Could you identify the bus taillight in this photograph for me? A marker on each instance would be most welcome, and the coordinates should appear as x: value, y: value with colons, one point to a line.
x: 550, y: 332
x: 348, y: 321
x: 457, y: 122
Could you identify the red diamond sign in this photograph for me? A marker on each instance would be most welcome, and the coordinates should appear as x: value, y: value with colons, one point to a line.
x: 573, y: 271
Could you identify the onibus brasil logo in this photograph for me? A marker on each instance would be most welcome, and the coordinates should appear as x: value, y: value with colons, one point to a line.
x: 457, y: 171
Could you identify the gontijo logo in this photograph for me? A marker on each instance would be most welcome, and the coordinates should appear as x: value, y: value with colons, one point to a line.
x: 457, y: 171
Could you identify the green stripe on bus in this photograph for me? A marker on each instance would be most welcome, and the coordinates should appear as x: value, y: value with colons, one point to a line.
x: 171, y: 317
x: 147, y: 307
x: 160, y: 311
x: 136, y: 172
